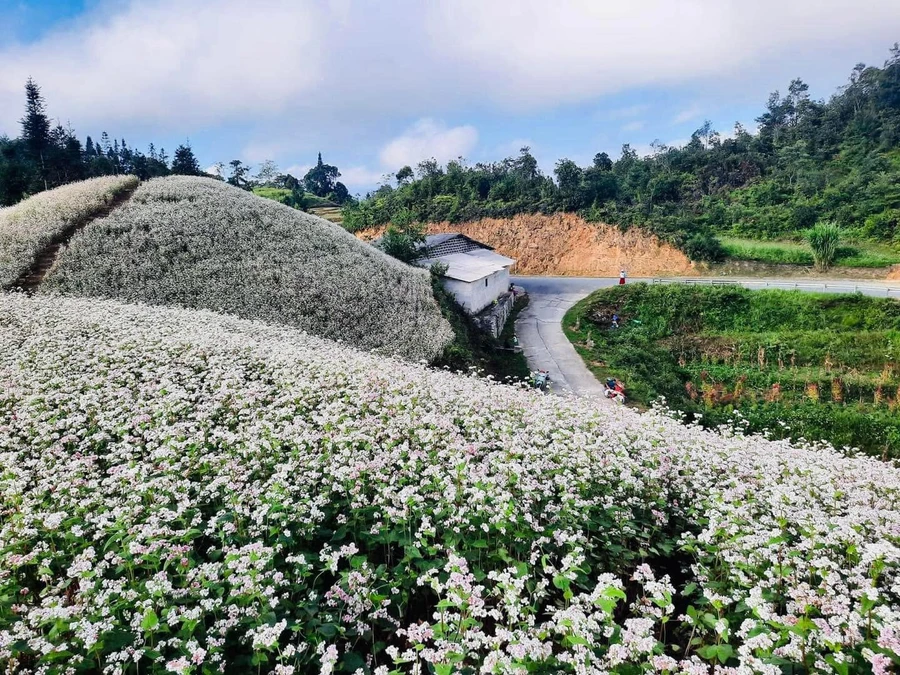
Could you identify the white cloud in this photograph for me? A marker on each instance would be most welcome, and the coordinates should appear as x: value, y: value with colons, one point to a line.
x: 637, y: 125
x: 517, y: 49
x: 171, y: 63
x: 181, y: 64
x: 427, y: 139
x: 361, y: 177
x: 297, y: 170
x: 691, y: 113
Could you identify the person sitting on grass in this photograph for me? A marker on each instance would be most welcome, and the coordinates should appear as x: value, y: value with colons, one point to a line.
x: 615, y: 390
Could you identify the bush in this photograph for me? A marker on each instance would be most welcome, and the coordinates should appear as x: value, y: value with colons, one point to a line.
x: 704, y: 247
x: 824, y: 240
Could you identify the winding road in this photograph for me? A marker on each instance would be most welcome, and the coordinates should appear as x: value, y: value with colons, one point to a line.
x: 539, y: 325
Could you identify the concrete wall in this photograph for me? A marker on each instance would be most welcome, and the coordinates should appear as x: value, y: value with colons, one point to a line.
x: 494, y: 317
x: 475, y: 296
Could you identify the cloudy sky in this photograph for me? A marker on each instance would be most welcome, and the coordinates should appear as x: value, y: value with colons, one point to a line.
x: 376, y: 85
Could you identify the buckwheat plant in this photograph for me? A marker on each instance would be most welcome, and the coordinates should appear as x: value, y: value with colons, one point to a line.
x: 186, y: 492
x: 201, y: 243
x: 29, y: 226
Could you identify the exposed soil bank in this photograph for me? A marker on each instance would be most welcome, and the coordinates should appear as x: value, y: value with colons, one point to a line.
x: 562, y: 244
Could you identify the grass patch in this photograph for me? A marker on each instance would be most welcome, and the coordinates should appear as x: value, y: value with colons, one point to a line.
x: 796, y: 253
x: 797, y: 365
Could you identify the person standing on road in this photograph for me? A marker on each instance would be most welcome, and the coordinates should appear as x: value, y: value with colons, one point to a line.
x: 622, y: 278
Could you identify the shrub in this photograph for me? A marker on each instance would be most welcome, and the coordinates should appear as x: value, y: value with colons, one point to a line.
x: 30, y: 226
x: 201, y: 243
x: 704, y: 246
x: 189, y: 492
x: 824, y: 239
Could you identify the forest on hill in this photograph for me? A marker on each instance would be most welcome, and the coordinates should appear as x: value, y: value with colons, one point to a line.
x: 809, y: 161
x: 48, y: 155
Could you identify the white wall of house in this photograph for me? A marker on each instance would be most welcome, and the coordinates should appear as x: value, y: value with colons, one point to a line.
x: 474, y: 296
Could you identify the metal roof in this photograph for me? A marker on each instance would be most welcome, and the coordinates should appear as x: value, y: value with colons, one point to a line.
x: 470, y: 266
x: 436, y: 245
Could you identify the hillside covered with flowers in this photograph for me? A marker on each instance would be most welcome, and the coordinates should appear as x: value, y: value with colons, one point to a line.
x: 188, y: 492
x: 200, y: 243
x: 29, y: 226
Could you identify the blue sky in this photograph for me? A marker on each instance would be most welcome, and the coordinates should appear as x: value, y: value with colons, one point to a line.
x: 375, y: 86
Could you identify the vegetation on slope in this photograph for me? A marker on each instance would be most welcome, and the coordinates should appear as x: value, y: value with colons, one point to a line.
x: 810, y: 160
x: 188, y: 492
x: 799, y: 365
x: 472, y: 349
x: 201, y: 243
x: 30, y: 226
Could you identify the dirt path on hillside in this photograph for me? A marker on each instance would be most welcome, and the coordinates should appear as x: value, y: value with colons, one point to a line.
x: 29, y: 280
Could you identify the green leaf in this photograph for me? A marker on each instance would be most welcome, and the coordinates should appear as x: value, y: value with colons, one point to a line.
x: 724, y: 652
x: 690, y: 588
x: 709, y: 652
x: 561, y: 582
x: 150, y: 621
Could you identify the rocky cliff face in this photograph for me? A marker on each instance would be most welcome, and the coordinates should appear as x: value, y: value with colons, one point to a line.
x: 563, y: 244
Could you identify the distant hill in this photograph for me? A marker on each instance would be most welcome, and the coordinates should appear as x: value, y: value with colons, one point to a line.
x: 200, y: 243
x: 808, y: 161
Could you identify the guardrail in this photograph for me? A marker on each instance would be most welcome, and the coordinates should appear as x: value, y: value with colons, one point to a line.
x: 826, y: 287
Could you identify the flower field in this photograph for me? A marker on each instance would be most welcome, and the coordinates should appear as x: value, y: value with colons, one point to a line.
x: 188, y: 492
x: 200, y: 243
x: 29, y: 226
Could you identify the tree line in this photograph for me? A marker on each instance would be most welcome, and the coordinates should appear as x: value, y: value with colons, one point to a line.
x: 47, y: 155
x: 809, y: 161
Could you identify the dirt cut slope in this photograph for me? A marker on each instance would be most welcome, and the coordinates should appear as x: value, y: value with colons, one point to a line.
x: 564, y: 244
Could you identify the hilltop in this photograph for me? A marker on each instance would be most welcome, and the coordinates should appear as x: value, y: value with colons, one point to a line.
x: 197, y: 242
x: 808, y: 161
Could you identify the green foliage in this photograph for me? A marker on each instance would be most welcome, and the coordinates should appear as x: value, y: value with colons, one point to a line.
x: 47, y: 156
x: 184, y: 162
x: 403, y: 241
x: 811, y: 160
x: 816, y: 366
x: 860, y: 254
x: 824, y: 240
x: 704, y: 246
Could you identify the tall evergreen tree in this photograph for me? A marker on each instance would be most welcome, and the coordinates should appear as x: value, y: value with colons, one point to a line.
x: 36, y: 128
x: 184, y: 162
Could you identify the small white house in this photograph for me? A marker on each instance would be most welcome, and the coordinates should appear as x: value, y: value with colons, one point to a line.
x: 476, y: 276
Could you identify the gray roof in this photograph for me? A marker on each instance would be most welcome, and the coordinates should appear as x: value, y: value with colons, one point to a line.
x: 436, y: 245
x: 466, y: 259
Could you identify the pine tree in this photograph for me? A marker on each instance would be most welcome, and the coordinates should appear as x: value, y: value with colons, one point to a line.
x: 36, y: 127
x: 184, y: 162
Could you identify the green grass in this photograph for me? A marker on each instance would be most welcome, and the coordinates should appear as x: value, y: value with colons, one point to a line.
x: 795, y: 253
x: 283, y: 194
x: 821, y: 367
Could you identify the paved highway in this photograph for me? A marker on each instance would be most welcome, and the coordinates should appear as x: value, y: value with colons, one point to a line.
x: 539, y: 326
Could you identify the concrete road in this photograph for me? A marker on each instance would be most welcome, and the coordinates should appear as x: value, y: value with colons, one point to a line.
x: 539, y: 326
